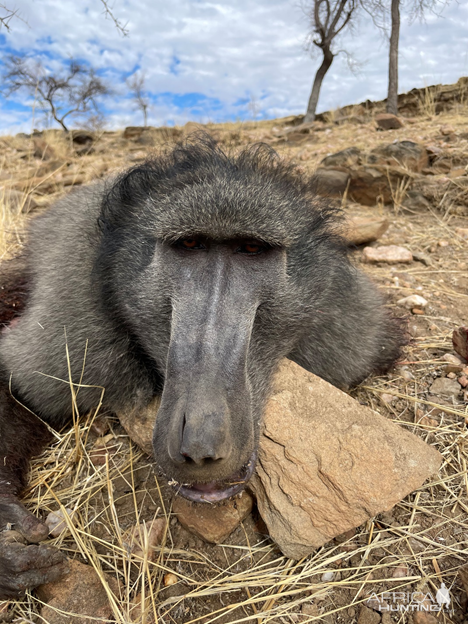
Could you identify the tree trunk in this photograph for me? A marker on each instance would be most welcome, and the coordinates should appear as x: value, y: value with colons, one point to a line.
x: 392, y: 97
x: 319, y: 76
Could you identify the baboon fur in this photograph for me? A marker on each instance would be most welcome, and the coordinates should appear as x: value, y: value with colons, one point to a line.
x: 109, y: 282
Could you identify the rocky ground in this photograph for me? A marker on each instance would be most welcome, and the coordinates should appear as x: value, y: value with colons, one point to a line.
x: 414, y: 177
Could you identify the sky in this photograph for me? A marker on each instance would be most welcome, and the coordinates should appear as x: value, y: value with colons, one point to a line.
x: 212, y: 61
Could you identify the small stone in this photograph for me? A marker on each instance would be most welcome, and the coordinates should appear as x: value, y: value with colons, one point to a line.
x: 368, y: 616
x: 401, y: 571
x: 310, y: 609
x: 413, y: 301
x: 56, y: 521
x: 363, y: 231
x: 327, y: 577
x: 443, y: 243
x: 139, y: 424
x: 460, y: 341
x: 445, y: 387
x: 80, y: 592
x: 387, y: 253
x: 105, y: 446
x: 170, y: 579
x: 388, y: 399
x: 452, y: 359
x: 428, y: 423
x: 463, y: 381
x: 451, y: 375
x: 100, y: 426
x: 387, y: 121
x: 213, y: 523
x: 144, y: 538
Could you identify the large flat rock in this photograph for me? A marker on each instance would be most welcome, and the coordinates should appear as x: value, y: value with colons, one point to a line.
x: 327, y: 464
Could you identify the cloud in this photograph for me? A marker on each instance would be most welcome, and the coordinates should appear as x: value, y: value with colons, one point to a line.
x: 213, y: 60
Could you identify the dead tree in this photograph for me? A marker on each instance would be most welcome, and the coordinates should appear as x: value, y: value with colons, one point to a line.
x: 74, y: 92
x: 136, y: 84
x: 379, y: 10
x: 6, y: 15
x: 327, y: 19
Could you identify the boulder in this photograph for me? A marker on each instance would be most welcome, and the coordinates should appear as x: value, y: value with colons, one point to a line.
x: 213, y: 523
x: 406, y: 154
x: 327, y: 464
x: 81, y: 593
x: 387, y: 253
x: 362, y: 231
x: 348, y: 157
x: 387, y: 121
x: 330, y: 182
x: 368, y: 185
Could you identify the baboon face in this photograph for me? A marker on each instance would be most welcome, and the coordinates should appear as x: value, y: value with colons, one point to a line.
x: 199, y: 260
x: 207, y: 427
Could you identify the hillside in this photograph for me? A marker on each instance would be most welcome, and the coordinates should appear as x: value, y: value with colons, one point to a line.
x: 416, y: 178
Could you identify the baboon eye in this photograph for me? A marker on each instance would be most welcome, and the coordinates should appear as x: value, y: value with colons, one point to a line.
x: 252, y: 249
x: 191, y: 244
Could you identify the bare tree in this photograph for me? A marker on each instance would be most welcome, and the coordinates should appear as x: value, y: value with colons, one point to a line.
x: 73, y: 92
x: 122, y: 28
x: 6, y: 15
x: 136, y: 84
x: 327, y: 19
x: 379, y: 10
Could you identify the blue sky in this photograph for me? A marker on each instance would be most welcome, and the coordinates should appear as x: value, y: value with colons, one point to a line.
x: 223, y: 60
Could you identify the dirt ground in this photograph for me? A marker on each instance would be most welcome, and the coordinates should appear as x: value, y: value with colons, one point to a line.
x: 420, y: 543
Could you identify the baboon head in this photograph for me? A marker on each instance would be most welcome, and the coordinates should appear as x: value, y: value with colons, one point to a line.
x: 213, y: 263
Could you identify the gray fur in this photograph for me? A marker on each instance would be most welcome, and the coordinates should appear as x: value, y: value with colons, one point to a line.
x: 105, y: 270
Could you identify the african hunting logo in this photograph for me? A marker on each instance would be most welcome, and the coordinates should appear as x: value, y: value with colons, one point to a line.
x: 412, y: 601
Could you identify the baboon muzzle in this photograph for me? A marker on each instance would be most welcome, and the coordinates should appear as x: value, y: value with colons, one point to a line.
x: 206, y: 415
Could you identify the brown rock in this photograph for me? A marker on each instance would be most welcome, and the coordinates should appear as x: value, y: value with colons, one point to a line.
x: 145, y: 537
x: 445, y: 387
x: 371, y: 184
x: 406, y: 154
x: 387, y: 253
x: 362, y: 231
x: 423, y: 617
x: 330, y: 182
x: 460, y: 341
x: 368, y: 616
x: 105, y: 446
x: 346, y: 158
x: 133, y: 132
x: 80, y: 593
x: 139, y: 423
x: 327, y: 464
x: 387, y: 121
x: 213, y: 523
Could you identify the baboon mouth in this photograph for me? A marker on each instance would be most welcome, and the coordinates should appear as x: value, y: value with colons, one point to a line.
x: 216, y: 491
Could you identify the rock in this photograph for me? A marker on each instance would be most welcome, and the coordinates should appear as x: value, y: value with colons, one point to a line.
x: 17, y: 201
x: 346, y: 158
x: 42, y: 149
x: 420, y: 256
x: 445, y: 387
x: 330, y: 182
x: 405, y: 154
x: 368, y: 616
x: 452, y: 359
x: 139, y: 424
x: 145, y: 537
x: 327, y: 464
x: 371, y: 184
x: 460, y: 341
x: 213, y: 523
x: 423, y: 617
x: 80, y: 592
x: 415, y: 200
x: 133, y: 132
x: 170, y: 579
x: 56, y: 521
x: 462, y: 232
x: 105, y: 446
x: 413, y: 301
x: 387, y: 121
x: 387, y: 253
x: 82, y: 137
x: 363, y: 231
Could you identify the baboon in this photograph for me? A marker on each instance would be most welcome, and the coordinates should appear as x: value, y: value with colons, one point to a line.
x: 190, y: 276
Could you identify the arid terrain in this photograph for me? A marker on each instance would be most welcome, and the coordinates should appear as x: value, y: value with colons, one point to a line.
x: 422, y: 541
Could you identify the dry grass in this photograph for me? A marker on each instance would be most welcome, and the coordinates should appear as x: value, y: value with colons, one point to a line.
x: 419, y: 544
